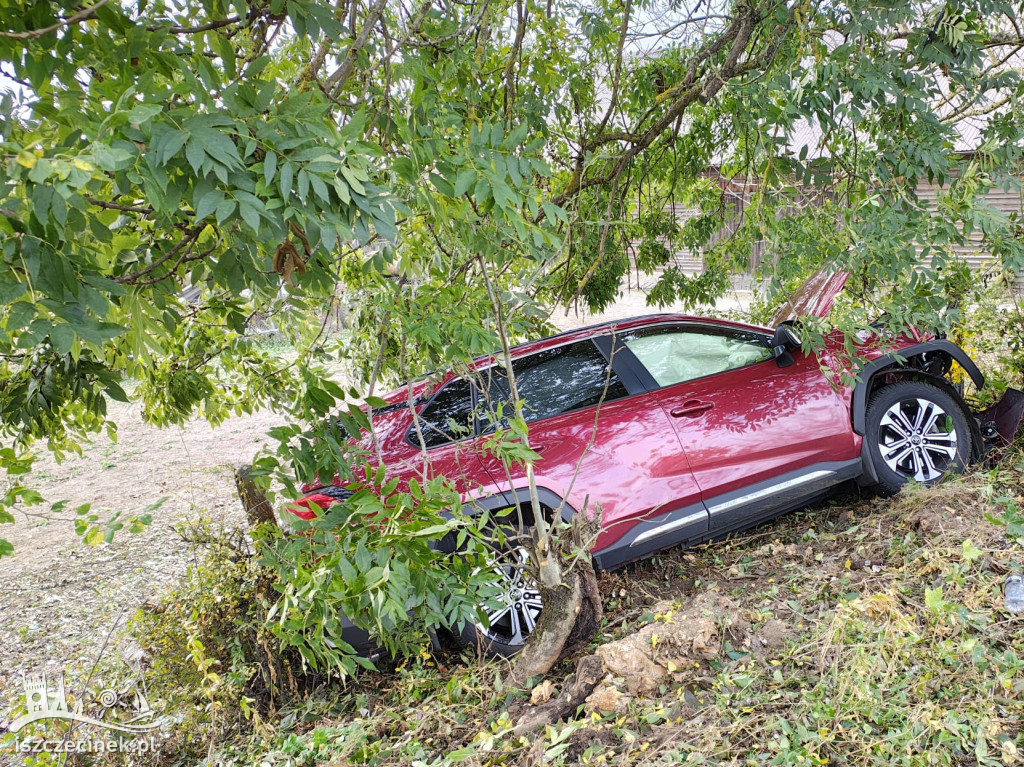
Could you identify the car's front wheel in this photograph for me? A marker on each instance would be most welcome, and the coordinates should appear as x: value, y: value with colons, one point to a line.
x: 512, y: 622
x: 915, y: 431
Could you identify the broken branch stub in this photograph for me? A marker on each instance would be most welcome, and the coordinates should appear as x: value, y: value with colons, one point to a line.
x: 257, y: 508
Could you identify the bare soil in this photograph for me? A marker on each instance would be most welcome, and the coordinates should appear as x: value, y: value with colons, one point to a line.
x: 62, y: 599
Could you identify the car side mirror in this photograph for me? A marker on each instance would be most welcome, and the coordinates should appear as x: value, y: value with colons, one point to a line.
x: 784, y: 342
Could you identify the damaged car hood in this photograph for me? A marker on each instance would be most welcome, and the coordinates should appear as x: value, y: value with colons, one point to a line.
x: 814, y: 298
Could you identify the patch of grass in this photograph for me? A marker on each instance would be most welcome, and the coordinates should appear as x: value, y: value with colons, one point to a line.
x: 893, y: 648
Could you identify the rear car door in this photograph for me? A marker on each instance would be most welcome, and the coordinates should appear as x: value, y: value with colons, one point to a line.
x: 447, y: 428
x: 603, y: 440
x: 758, y: 437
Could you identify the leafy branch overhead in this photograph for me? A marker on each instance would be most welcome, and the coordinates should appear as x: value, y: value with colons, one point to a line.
x: 173, y: 172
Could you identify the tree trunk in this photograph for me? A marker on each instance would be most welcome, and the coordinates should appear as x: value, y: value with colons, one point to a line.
x: 257, y: 507
x: 572, y: 608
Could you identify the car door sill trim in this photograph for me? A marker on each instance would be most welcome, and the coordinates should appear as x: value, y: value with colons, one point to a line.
x: 743, y: 500
x: 667, y: 528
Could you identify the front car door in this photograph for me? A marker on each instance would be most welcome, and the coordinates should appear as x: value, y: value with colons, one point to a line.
x: 759, y: 438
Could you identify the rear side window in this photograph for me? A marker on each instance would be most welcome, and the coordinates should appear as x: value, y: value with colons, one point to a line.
x: 448, y: 416
x: 553, y: 382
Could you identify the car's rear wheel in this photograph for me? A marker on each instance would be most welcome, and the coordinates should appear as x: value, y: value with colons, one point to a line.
x: 511, y: 623
x: 915, y: 431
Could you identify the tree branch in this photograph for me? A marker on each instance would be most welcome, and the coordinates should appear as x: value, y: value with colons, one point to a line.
x: 738, y: 33
x: 83, y: 15
x: 513, y: 56
x: 117, y: 206
x: 337, y: 79
x: 191, y: 235
x: 210, y: 25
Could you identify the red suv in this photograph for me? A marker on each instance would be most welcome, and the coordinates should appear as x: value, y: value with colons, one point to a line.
x: 682, y: 429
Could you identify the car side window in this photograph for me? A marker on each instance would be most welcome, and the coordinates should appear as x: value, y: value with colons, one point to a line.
x: 553, y: 382
x: 449, y: 415
x: 677, y: 354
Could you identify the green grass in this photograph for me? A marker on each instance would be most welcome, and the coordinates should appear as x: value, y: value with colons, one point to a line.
x: 891, y: 648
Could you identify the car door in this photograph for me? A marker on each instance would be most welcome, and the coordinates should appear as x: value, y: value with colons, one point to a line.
x: 758, y: 437
x: 447, y: 429
x: 603, y: 441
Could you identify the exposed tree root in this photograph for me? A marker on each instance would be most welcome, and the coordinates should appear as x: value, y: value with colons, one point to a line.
x: 576, y: 688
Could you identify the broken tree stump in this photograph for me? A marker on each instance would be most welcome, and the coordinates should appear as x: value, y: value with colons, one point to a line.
x: 257, y: 508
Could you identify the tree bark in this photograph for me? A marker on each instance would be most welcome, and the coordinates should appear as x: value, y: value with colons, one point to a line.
x: 557, y: 619
x: 571, y: 616
x: 257, y: 508
x: 576, y: 688
x: 589, y: 612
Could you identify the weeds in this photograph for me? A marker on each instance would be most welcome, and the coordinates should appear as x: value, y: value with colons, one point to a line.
x: 891, y: 648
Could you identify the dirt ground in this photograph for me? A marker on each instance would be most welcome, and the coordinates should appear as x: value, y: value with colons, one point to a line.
x: 64, y: 603
x: 61, y: 598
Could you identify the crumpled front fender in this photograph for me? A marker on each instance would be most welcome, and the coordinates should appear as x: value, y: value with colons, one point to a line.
x: 1002, y: 420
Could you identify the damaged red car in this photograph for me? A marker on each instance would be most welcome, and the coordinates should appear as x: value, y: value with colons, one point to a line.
x: 683, y: 429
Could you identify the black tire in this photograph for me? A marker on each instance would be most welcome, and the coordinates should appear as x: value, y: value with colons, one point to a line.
x: 511, y: 625
x: 914, y: 430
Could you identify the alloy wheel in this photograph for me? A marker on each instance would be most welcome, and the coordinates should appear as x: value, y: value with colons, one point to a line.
x: 516, y: 618
x: 917, y: 439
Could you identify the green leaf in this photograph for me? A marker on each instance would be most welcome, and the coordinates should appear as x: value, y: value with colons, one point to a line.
x: 218, y: 146
x: 225, y: 210
x: 971, y: 553
x: 287, y: 172
x: 209, y: 203
x: 62, y: 336
x: 19, y: 315
x: 441, y: 184
x: 171, y: 144
x: 142, y: 113
x: 111, y: 159
x: 40, y: 171
x: 115, y: 392
x: 464, y: 181
x: 251, y: 216
x: 319, y: 187
x: 405, y: 169
x: 195, y: 154
x: 353, y: 181
x: 93, y: 332
x: 269, y: 167
x: 9, y: 291
x: 933, y: 599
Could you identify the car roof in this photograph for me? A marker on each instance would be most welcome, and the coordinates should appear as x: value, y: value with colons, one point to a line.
x: 628, y: 323
x: 429, y: 383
